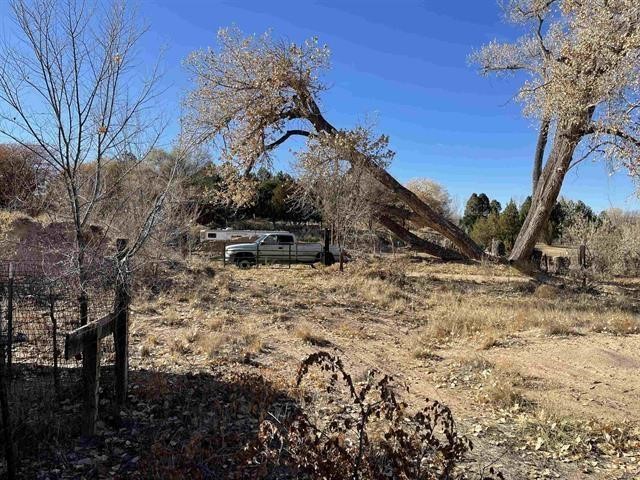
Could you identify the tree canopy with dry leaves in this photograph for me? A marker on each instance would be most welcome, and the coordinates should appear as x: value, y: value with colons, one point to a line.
x: 253, y: 93
x: 580, y: 67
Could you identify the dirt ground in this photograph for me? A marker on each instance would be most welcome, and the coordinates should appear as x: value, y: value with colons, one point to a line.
x: 544, y: 380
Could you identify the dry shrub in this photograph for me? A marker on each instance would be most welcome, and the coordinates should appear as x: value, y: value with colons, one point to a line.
x: 488, y: 340
x: 371, y: 434
x: 234, y: 346
x: 496, y: 386
x: 618, y: 323
x: 213, y: 344
x: 613, y: 242
x: 504, y: 392
x: 145, y: 350
x: 180, y: 346
x: 192, y: 335
x: 424, y: 353
x: 546, y: 291
x: 172, y: 318
x: 555, y: 328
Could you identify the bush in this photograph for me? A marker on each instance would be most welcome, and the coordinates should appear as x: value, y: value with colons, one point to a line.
x: 366, y: 432
x: 613, y: 241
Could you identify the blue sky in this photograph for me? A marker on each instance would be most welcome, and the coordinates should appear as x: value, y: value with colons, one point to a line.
x: 403, y: 63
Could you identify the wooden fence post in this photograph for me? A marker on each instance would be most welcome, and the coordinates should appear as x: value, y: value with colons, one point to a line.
x: 7, y: 428
x: 7, y: 433
x: 121, y: 328
x: 91, y: 382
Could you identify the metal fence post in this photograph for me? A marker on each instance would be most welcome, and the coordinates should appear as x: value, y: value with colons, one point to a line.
x: 257, y: 254
x: 54, y: 322
x: 121, y: 329
x: 7, y: 428
x: 289, y: 255
x: 10, y: 315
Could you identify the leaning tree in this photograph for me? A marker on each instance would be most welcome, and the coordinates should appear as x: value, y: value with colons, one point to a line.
x: 254, y: 93
x: 580, y: 61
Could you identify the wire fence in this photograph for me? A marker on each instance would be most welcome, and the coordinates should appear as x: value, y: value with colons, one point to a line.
x: 40, y: 388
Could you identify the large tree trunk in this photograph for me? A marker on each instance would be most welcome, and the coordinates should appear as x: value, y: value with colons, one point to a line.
x: 543, y: 135
x: 431, y: 218
x: 568, y: 135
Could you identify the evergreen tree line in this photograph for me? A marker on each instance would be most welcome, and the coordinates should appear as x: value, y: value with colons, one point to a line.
x: 484, y: 219
x: 274, y: 199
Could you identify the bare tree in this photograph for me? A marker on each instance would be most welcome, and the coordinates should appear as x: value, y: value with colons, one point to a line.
x: 582, y: 63
x: 255, y: 93
x: 342, y: 192
x: 71, y: 93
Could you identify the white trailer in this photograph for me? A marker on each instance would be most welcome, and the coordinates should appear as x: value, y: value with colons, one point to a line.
x: 231, y: 235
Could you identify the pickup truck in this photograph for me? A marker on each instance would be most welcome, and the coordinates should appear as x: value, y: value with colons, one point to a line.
x: 279, y: 247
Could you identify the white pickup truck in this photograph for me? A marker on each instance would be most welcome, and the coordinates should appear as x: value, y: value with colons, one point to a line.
x: 278, y: 247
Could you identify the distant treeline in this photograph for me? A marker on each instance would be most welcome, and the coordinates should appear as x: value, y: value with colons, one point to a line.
x: 485, y: 219
x: 276, y: 198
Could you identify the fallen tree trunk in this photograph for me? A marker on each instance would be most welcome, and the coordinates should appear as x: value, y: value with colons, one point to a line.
x: 419, y: 244
x: 429, y: 216
x: 403, y: 213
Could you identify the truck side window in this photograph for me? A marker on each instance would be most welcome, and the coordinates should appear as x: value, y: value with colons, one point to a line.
x: 285, y: 239
x: 270, y: 240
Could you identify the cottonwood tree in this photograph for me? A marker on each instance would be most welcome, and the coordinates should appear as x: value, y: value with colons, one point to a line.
x: 254, y: 93
x: 580, y: 62
x: 70, y: 92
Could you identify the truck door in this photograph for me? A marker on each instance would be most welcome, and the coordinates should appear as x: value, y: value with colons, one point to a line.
x: 286, y: 248
x: 268, y: 250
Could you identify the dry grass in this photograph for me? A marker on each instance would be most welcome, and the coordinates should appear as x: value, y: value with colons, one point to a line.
x: 457, y: 315
x: 171, y: 317
x: 415, y: 319
x: 180, y: 346
x: 306, y: 333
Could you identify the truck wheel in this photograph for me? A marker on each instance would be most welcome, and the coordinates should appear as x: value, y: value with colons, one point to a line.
x: 244, y: 263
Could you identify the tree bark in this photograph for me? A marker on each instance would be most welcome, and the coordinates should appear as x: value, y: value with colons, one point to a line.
x: 568, y: 135
x: 419, y: 244
x: 543, y: 136
x: 431, y: 218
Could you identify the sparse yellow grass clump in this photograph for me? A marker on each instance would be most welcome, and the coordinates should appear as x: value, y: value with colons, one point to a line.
x: 305, y: 333
x: 171, y: 317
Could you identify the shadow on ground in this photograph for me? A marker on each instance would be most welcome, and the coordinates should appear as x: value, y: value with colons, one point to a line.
x: 176, y: 426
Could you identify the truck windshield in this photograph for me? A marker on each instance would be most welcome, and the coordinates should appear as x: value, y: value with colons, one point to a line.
x: 260, y: 238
